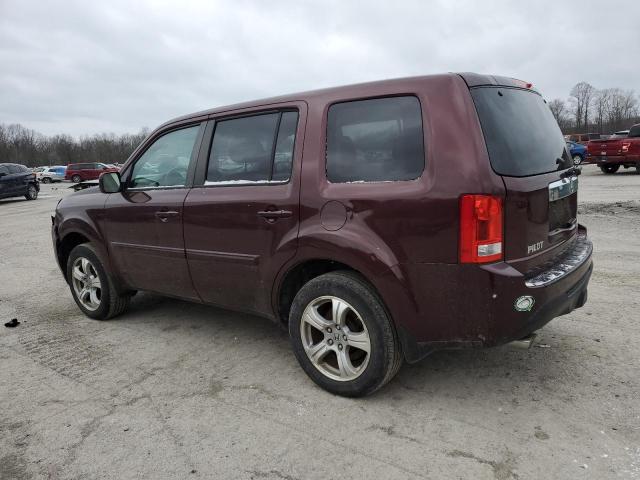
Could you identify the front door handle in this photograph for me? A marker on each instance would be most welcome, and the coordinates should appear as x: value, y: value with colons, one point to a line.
x: 164, y: 215
x: 273, y: 215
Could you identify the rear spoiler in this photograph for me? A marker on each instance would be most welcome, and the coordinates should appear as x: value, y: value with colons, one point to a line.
x: 478, y: 80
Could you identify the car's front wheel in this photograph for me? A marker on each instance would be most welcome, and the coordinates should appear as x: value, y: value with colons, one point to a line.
x: 46, y: 180
x: 342, y: 335
x: 91, y: 286
x: 76, y: 179
x: 609, y: 169
x: 32, y: 192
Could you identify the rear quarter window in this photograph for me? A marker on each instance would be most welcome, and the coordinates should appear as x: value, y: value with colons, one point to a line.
x: 375, y: 140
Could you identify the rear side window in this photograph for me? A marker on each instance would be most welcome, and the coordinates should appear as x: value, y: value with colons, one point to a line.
x: 253, y: 149
x: 521, y: 133
x: 375, y: 140
x: 634, y: 131
x: 4, y: 169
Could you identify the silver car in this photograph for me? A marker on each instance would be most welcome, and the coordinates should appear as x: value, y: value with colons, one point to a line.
x: 51, y: 174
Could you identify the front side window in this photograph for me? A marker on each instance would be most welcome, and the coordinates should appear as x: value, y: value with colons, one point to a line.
x: 166, y: 161
x: 253, y: 149
x: 375, y: 140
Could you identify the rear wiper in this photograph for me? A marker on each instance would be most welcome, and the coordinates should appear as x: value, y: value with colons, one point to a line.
x: 571, y: 172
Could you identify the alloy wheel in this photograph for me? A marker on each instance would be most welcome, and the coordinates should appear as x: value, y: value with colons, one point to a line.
x: 335, y: 338
x: 86, y: 283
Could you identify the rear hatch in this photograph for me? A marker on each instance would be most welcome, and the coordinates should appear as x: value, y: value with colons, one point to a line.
x: 527, y: 149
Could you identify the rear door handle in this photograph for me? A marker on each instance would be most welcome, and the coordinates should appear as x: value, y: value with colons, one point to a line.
x: 164, y: 215
x: 273, y: 215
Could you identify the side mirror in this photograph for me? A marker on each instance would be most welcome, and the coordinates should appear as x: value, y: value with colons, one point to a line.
x: 110, y: 182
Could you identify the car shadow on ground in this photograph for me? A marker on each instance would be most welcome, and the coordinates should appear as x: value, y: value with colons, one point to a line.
x: 454, y: 372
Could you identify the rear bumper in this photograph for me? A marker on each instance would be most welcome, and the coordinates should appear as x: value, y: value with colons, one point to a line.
x: 615, y: 159
x: 483, y: 306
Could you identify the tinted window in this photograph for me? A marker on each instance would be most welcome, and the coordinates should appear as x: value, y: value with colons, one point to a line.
x: 375, y: 140
x: 521, y: 133
x: 15, y: 169
x: 4, y: 169
x: 166, y: 161
x: 634, y: 131
x: 243, y: 149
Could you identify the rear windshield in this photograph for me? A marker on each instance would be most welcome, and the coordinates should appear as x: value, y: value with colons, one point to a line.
x: 522, y: 136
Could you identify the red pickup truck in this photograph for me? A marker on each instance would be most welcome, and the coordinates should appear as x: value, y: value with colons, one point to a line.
x: 612, y: 153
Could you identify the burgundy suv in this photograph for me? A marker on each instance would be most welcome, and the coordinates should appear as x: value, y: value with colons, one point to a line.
x: 81, y: 172
x: 378, y: 222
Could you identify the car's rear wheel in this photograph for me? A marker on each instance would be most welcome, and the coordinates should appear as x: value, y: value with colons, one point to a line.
x: 577, y: 159
x: 342, y: 335
x: 46, y: 180
x: 609, y: 169
x: 91, y: 286
x: 76, y: 179
x: 32, y: 192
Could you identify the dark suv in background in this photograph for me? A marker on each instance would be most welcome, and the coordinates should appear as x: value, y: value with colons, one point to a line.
x: 18, y: 181
x: 358, y: 217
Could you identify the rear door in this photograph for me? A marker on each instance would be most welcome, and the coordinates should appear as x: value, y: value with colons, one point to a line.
x: 144, y: 221
x: 527, y: 149
x: 241, y: 217
x: 5, y: 181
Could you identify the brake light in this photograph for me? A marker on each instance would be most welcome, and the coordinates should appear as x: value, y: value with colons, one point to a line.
x: 481, y: 233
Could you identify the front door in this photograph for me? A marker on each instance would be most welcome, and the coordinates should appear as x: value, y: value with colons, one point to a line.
x: 144, y: 221
x: 241, y: 217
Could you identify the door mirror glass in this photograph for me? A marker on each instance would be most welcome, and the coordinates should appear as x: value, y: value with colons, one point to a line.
x: 110, y: 182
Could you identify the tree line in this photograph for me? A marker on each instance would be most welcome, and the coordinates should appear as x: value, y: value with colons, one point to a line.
x: 28, y: 147
x: 586, y: 110
x: 589, y: 109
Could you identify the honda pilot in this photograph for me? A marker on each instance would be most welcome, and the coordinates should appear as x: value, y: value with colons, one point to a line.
x: 377, y: 222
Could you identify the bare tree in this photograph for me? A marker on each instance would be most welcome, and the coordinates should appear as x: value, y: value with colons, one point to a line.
x: 581, y: 97
x: 559, y: 109
x: 601, y: 107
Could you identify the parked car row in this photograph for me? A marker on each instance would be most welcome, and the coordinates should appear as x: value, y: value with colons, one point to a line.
x: 617, y: 151
x: 609, y: 152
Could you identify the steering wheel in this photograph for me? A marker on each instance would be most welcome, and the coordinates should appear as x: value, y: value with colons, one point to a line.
x: 176, y: 176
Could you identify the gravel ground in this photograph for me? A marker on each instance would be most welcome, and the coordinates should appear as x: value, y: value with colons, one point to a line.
x: 178, y: 390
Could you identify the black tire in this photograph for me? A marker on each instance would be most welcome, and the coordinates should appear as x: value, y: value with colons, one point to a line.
x: 32, y: 192
x: 111, y: 303
x: 46, y: 180
x: 609, y: 169
x: 76, y: 179
x: 577, y: 159
x: 385, y: 357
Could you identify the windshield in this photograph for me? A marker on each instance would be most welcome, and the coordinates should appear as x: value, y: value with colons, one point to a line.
x: 522, y: 136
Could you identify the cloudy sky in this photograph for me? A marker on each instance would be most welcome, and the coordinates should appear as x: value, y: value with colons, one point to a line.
x: 83, y: 67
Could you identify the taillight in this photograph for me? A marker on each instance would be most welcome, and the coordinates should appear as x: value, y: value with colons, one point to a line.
x: 480, y: 228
